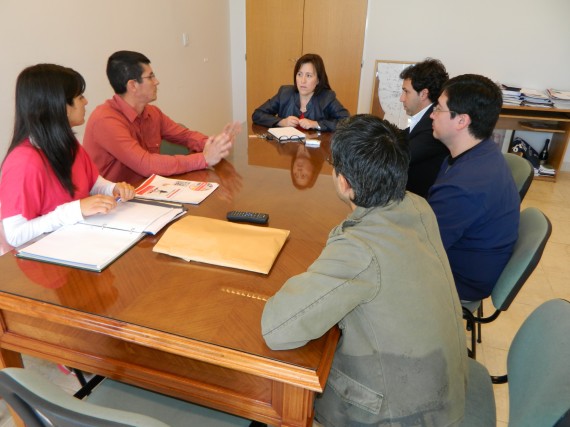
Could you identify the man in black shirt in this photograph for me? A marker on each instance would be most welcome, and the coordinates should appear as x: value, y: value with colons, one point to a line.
x: 421, y: 87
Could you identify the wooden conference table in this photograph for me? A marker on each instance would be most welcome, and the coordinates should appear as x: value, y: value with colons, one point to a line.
x: 189, y: 330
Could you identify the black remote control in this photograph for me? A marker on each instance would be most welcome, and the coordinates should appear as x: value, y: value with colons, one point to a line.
x: 242, y: 216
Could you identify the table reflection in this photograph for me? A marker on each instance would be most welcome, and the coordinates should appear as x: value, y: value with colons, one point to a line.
x: 304, y: 163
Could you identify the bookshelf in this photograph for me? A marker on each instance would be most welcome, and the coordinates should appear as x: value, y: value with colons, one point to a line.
x: 554, y: 121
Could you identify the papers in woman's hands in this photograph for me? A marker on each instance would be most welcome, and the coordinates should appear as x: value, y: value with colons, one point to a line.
x: 175, y: 190
x: 138, y: 216
x: 286, y: 134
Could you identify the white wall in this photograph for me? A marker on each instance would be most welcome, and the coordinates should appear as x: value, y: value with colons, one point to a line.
x: 195, y: 80
x: 522, y: 42
x: 518, y: 41
x: 239, y: 73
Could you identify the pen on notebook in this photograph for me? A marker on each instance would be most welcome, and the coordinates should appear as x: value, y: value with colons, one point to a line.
x: 158, y: 203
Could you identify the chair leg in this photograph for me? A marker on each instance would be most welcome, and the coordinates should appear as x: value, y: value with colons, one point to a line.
x: 88, y: 387
x: 470, y: 326
x: 472, y: 353
x: 80, y: 377
x: 480, y: 316
x: 500, y: 379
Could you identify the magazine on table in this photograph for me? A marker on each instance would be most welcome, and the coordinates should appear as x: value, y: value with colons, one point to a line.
x: 158, y: 187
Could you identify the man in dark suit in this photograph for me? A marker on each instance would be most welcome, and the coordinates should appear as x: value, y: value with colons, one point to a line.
x: 421, y: 87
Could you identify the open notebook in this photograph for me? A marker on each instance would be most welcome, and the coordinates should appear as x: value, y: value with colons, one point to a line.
x: 82, y: 246
x: 100, y: 239
x: 139, y: 216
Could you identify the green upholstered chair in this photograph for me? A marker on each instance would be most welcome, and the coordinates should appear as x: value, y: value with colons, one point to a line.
x: 167, y: 147
x: 522, y: 172
x: 534, y: 232
x: 110, y: 404
x: 538, y: 374
x: 171, y: 148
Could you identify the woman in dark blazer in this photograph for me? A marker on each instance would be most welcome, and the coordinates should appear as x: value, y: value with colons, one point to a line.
x: 308, y: 104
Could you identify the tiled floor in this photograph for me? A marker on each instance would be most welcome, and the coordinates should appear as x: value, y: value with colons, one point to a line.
x: 550, y: 280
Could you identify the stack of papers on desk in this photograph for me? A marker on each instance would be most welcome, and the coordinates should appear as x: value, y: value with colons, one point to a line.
x: 98, y: 240
x: 286, y: 134
x: 511, y: 94
x: 535, y: 98
x: 247, y: 247
x: 175, y: 190
x: 545, y: 170
x: 561, y: 98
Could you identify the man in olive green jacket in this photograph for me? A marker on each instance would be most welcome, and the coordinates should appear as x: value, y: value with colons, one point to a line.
x: 384, y: 278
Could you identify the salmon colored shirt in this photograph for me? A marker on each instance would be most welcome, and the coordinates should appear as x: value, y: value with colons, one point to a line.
x: 30, y: 188
x: 125, y: 146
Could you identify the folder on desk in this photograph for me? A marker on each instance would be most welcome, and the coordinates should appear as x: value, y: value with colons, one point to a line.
x: 98, y: 240
x: 81, y: 246
x: 242, y: 246
x: 286, y: 134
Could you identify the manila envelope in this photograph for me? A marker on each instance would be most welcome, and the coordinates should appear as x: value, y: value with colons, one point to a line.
x: 212, y: 241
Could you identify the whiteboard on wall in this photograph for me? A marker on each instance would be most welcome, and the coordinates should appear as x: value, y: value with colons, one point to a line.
x: 386, y: 92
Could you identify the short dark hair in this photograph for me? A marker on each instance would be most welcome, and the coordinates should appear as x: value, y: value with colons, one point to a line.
x: 373, y: 155
x: 477, y: 96
x: 319, y: 65
x: 123, y: 66
x: 429, y: 74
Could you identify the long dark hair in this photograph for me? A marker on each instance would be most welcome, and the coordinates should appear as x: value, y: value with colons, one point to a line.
x: 43, y: 92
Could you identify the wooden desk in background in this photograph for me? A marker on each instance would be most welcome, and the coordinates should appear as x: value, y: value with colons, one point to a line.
x: 185, y: 329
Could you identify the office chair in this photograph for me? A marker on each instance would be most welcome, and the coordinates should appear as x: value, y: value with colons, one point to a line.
x: 167, y: 147
x: 171, y: 148
x: 110, y: 404
x: 522, y: 172
x: 538, y: 374
x: 534, y: 232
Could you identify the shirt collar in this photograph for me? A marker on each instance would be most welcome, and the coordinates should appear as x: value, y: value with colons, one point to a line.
x: 452, y: 160
x: 414, y: 120
x: 128, y: 111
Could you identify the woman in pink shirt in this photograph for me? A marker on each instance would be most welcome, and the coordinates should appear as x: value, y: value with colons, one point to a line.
x: 47, y: 179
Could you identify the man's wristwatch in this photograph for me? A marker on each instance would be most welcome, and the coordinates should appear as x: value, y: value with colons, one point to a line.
x: 318, y: 126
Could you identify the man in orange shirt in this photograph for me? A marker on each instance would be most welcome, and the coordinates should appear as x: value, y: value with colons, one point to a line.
x: 124, y: 134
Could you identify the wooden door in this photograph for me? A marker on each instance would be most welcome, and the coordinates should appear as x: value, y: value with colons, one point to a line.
x: 335, y: 30
x: 274, y: 31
